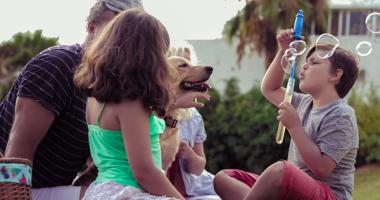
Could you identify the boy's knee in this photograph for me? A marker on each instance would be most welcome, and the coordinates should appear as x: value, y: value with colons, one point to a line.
x: 219, y: 179
x: 222, y: 180
x: 275, y: 173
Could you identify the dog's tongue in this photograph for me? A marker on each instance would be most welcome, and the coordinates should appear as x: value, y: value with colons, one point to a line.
x: 201, y: 87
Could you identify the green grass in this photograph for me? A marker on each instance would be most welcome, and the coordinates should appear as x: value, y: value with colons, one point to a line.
x: 367, y: 183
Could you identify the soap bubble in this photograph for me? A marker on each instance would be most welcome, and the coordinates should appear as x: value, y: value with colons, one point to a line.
x: 326, y: 38
x: 364, y: 48
x: 372, y: 22
x: 287, y: 59
x: 299, y: 46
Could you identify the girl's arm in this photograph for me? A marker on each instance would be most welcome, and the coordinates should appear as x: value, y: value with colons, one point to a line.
x: 195, y: 157
x: 133, y: 119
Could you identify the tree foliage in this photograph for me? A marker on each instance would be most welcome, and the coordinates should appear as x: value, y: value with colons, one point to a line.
x: 16, y: 52
x: 366, y: 103
x: 256, y: 25
x: 241, y: 130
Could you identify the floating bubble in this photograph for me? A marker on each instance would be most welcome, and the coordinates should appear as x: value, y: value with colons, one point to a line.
x: 323, y: 39
x: 287, y: 59
x: 364, y: 48
x: 299, y: 46
x: 372, y: 22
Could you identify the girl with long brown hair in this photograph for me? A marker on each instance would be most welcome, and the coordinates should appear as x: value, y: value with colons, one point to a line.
x: 127, y: 78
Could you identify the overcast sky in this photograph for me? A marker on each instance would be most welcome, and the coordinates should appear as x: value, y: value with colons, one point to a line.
x: 184, y: 19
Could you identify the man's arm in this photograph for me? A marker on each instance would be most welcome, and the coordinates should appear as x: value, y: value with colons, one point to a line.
x: 31, y: 122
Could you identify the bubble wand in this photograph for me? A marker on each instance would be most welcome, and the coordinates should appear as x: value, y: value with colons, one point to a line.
x: 290, y: 86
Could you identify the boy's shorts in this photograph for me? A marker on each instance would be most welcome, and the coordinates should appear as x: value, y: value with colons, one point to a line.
x: 296, y: 184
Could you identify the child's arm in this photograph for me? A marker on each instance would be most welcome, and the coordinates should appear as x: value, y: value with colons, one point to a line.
x: 319, y: 163
x: 186, y: 100
x: 271, y: 85
x: 195, y: 157
x: 133, y: 120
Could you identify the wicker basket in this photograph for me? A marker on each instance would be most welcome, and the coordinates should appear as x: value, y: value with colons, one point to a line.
x: 13, y: 191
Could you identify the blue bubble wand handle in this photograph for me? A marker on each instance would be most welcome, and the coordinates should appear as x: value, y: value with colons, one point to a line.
x: 290, y: 86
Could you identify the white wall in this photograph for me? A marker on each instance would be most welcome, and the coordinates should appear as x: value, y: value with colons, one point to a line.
x: 223, y: 58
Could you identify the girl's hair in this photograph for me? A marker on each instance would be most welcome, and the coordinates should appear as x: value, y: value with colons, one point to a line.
x: 128, y: 60
x: 340, y: 59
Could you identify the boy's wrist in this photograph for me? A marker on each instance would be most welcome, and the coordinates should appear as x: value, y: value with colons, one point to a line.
x: 295, y: 130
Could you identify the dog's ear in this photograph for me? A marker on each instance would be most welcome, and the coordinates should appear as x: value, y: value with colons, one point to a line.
x: 187, y: 54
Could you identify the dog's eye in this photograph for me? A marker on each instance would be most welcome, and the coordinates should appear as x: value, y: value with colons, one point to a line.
x: 183, y: 65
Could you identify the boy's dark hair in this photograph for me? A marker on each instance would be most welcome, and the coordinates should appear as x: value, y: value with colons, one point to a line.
x: 341, y: 59
x: 128, y: 60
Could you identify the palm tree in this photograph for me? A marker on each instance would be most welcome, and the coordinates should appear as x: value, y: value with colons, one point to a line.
x: 256, y: 25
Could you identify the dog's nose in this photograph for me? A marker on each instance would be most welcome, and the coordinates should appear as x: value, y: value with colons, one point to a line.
x: 208, y: 69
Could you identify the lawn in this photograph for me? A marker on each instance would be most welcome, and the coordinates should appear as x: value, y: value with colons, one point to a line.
x: 367, y: 183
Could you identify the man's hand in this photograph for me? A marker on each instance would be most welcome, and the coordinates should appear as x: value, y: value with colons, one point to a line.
x: 288, y: 116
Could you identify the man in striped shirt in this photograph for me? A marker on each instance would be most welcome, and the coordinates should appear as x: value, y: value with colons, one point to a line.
x: 43, y: 116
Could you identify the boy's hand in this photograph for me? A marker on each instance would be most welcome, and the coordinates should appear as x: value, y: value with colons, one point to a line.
x: 284, y: 38
x: 288, y: 116
x: 185, y: 151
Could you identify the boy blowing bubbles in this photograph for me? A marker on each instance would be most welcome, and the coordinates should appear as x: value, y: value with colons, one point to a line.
x: 322, y: 127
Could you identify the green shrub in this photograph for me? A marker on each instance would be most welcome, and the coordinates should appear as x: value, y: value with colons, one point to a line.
x: 241, y: 130
x: 366, y: 103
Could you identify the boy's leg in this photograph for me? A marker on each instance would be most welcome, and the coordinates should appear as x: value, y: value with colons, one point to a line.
x: 283, y: 180
x: 269, y: 184
x: 233, y: 184
x: 299, y: 185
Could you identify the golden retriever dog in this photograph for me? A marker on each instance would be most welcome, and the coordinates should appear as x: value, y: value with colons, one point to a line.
x: 189, y: 78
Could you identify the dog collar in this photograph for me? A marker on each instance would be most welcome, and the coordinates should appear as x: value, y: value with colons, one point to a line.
x: 171, y: 121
